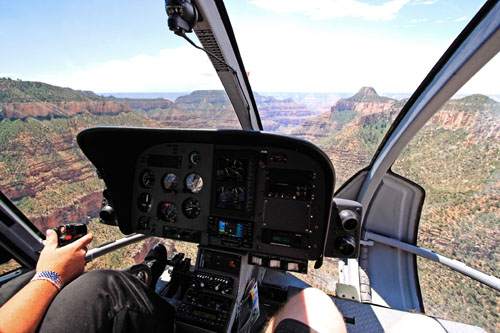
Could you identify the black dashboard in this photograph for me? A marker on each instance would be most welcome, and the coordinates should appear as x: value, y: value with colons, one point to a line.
x: 266, y: 195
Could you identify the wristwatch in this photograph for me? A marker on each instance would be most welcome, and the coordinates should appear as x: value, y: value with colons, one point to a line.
x: 50, y: 276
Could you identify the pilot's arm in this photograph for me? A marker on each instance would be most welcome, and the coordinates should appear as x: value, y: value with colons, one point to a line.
x: 24, y: 311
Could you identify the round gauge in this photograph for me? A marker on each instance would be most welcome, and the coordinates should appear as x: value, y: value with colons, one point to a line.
x: 194, y: 183
x: 147, y: 178
x: 194, y: 158
x: 144, y: 222
x: 170, y: 182
x: 191, y: 208
x: 144, y: 202
x: 233, y: 167
x: 167, y: 211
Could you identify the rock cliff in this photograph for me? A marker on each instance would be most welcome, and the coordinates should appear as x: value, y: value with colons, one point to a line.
x: 47, y: 110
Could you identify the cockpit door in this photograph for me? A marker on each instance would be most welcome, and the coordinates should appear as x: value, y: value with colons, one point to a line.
x: 19, y: 238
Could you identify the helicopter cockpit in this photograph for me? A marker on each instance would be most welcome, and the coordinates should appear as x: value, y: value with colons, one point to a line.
x: 261, y: 208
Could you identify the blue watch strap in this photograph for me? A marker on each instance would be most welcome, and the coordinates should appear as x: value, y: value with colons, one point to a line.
x: 51, y: 277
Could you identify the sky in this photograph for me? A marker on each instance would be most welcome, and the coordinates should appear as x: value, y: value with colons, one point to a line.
x: 286, y: 45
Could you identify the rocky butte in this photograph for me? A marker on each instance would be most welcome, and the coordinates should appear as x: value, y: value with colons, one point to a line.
x: 364, y: 103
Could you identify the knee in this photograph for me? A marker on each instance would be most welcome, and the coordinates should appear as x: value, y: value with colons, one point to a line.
x: 316, y: 309
x: 97, y: 278
x: 317, y: 303
x: 315, y: 297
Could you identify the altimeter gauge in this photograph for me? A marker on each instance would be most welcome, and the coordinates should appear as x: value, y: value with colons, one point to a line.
x: 194, y: 183
x: 167, y: 211
x: 191, y: 208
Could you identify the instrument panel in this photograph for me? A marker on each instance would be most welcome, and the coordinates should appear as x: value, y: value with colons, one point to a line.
x: 260, y: 199
x: 263, y: 194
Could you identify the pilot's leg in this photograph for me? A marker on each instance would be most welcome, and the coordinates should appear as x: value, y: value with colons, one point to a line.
x: 309, y: 311
x: 108, y: 301
x: 9, y: 289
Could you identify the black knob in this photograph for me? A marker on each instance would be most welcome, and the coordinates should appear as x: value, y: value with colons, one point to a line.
x: 346, y: 245
x: 107, y: 214
x: 349, y: 219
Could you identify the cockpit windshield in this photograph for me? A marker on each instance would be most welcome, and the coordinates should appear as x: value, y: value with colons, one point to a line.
x: 336, y: 73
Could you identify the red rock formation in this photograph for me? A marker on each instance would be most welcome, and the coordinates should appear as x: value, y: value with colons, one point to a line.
x: 62, y: 109
x: 148, y: 104
x: 77, y: 211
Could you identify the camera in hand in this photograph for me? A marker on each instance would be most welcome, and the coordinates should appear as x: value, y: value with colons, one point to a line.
x: 68, y: 233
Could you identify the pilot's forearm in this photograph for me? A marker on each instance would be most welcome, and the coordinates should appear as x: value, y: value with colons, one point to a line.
x: 24, y: 311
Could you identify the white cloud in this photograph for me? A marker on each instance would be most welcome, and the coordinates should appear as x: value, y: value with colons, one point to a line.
x: 439, y: 21
x: 320, y: 61
x: 301, y: 59
x: 330, y: 9
x: 424, y: 2
x: 285, y: 57
x: 463, y: 18
x: 419, y: 20
x: 178, y: 69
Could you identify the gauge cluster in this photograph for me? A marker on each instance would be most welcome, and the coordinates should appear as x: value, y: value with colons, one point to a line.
x: 263, y: 194
x: 172, y: 195
x: 267, y: 200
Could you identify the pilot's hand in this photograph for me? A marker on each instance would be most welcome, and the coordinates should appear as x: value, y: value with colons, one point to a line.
x: 68, y: 261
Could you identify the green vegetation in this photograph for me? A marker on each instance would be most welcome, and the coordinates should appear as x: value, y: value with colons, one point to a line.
x: 371, y: 134
x: 473, y: 104
x: 460, y: 219
x: 343, y: 117
x: 16, y: 91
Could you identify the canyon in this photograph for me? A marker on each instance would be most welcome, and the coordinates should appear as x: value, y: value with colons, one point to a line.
x: 456, y: 158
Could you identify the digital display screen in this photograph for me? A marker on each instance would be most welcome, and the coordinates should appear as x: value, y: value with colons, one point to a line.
x: 289, y: 184
x: 281, y: 239
x: 231, y: 229
x: 230, y: 197
x: 204, y: 315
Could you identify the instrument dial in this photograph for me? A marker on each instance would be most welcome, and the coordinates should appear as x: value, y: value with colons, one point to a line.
x: 147, y: 178
x: 144, y: 222
x: 191, y: 208
x: 233, y: 168
x: 194, y: 183
x: 194, y: 158
x: 170, y: 182
x: 167, y: 211
x: 144, y: 202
